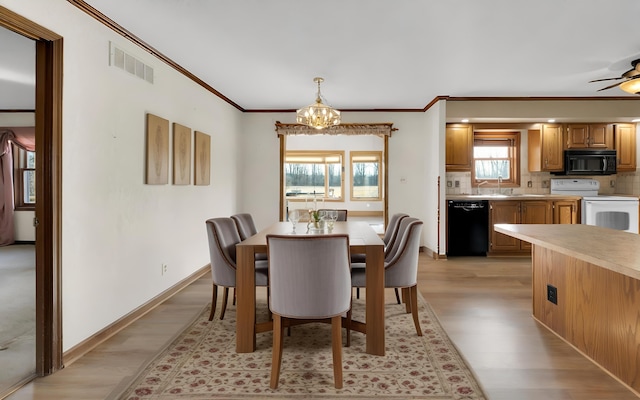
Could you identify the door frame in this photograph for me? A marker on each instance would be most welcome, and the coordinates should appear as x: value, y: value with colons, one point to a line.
x: 48, y: 212
x: 385, y: 178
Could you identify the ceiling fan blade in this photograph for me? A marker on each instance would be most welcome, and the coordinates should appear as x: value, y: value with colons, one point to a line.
x: 606, y: 79
x: 633, y: 72
x: 610, y: 86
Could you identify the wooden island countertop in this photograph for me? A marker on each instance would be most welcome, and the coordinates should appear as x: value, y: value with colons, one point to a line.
x: 586, y: 289
x: 611, y: 249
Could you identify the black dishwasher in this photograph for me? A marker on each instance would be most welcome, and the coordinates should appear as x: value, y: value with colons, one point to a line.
x: 467, y: 227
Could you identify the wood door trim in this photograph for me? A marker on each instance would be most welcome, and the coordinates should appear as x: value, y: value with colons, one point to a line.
x: 48, y: 116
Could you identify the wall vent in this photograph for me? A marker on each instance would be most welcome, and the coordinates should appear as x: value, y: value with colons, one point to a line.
x: 126, y: 62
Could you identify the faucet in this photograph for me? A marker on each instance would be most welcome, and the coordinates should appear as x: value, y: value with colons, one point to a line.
x: 499, y: 183
x: 480, y: 184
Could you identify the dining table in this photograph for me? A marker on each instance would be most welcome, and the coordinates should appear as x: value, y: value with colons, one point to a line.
x: 363, y: 239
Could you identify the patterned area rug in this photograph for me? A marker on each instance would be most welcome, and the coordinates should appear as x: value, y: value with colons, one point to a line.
x: 201, y: 363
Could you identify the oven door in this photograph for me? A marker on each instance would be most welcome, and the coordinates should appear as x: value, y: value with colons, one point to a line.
x: 615, y: 214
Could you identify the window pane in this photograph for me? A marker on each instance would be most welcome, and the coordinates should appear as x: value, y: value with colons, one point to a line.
x: 31, y: 159
x: 490, y: 152
x: 335, y: 181
x: 29, y: 189
x: 365, y: 179
x: 304, y: 179
x: 492, y: 169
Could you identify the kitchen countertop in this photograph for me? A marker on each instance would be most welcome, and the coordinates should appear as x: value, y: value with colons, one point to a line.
x: 611, y: 249
x: 523, y: 196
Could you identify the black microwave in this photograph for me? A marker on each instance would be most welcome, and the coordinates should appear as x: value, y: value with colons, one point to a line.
x: 589, y: 162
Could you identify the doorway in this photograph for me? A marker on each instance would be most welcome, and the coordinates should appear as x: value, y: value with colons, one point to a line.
x: 48, y: 211
x: 329, y: 159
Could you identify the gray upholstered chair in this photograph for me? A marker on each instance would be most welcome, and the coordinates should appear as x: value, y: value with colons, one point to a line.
x: 310, y: 280
x: 245, y: 224
x: 400, y: 266
x: 342, y: 214
x: 246, y: 229
x: 389, y: 238
x: 223, y: 237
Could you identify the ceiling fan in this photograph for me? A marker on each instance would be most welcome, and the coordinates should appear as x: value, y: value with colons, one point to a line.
x: 631, y: 84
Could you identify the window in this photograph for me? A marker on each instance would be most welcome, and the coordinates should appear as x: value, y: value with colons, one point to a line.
x: 24, y: 178
x: 309, y: 173
x: 495, y: 159
x: 365, y: 175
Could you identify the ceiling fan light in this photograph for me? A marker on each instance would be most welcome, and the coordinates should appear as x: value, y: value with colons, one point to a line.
x: 318, y: 115
x: 631, y: 86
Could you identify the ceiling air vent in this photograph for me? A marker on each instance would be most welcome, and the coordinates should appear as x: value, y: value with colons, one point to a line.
x: 126, y: 62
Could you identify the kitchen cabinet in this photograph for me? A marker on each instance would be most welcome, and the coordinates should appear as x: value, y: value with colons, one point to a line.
x: 516, y: 212
x: 565, y: 212
x: 545, y: 148
x: 503, y: 212
x: 459, y: 147
x: 593, y: 136
x: 625, y: 141
x: 534, y: 212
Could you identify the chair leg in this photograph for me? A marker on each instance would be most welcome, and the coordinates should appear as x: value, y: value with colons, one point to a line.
x: 348, y: 322
x: 357, y: 293
x: 397, y: 296
x: 336, y: 344
x: 414, y: 308
x: 276, y: 359
x: 406, y: 296
x: 214, y: 300
x: 224, y: 302
x: 234, y: 296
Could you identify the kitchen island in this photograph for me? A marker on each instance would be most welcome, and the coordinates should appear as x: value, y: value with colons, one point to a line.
x: 586, y: 289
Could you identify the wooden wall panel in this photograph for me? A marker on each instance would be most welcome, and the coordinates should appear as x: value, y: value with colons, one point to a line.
x: 598, y: 311
x: 549, y: 269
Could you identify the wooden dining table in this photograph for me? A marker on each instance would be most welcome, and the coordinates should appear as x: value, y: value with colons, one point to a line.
x: 362, y: 240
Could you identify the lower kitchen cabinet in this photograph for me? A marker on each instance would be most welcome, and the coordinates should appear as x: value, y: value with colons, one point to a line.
x: 565, y: 212
x: 526, y: 212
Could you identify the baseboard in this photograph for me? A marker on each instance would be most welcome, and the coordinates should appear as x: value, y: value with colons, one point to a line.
x: 24, y: 242
x: 90, y: 343
x: 430, y: 252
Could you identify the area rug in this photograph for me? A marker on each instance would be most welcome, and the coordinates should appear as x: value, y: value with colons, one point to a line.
x: 201, y: 363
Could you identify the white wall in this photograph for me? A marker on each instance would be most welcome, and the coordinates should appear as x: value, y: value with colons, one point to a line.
x: 412, y: 166
x: 117, y: 231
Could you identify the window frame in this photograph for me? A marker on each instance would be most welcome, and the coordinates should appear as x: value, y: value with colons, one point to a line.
x: 514, y: 157
x: 324, y: 154
x: 378, y: 156
x: 20, y: 168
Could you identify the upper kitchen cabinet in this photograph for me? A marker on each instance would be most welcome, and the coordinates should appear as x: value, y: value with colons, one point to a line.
x: 545, y: 148
x: 625, y: 139
x: 459, y: 147
x: 595, y: 136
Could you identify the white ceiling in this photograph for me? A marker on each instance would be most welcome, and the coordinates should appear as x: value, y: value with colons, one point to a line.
x: 397, y: 54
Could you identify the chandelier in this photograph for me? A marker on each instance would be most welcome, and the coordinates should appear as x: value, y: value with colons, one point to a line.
x: 318, y: 115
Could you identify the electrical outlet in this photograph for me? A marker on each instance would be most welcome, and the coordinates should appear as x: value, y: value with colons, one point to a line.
x: 552, y: 294
x: 164, y: 269
x: 457, y: 184
x: 449, y: 184
x: 545, y: 184
x: 612, y: 183
x: 529, y: 184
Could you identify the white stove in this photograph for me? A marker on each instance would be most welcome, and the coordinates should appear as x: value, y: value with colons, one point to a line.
x: 616, y: 212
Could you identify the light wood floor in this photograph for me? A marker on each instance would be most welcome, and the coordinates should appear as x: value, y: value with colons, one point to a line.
x: 483, y: 303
